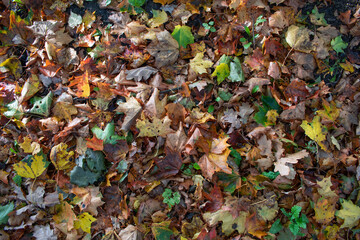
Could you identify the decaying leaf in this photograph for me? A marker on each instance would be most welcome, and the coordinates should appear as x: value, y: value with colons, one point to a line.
x: 350, y: 213
x: 282, y: 164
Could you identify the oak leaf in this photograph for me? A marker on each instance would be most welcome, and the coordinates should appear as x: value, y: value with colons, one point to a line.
x: 282, y: 165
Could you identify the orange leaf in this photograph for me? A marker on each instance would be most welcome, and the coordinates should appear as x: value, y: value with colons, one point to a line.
x: 95, y: 144
x: 82, y: 83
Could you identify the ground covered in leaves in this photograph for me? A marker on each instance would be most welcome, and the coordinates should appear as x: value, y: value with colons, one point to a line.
x: 163, y: 119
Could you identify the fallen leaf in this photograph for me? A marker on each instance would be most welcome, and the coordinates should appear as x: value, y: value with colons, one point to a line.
x: 325, y: 188
x: 183, y: 35
x: 199, y: 65
x: 165, y: 49
x: 82, y: 84
x: 140, y: 73
x: 159, y: 17
x: 31, y: 166
x: 61, y: 158
x: 29, y: 146
x: 282, y: 164
x: 221, y: 72
x: 84, y: 222
x: 324, y: 211
x: 132, y: 109
x: 314, y: 131
x: 349, y: 212
x: 155, y: 128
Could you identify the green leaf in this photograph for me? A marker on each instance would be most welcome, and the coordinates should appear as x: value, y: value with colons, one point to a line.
x: 42, y: 105
x: 4, y: 211
x: 183, y: 35
x: 211, y: 109
x: 247, y: 45
x: 236, y: 72
x: 89, y: 169
x: 236, y: 155
x: 338, y: 44
x: 260, y: 20
x: 107, y: 3
x: 161, y: 231
x: 14, y: 110
x: 222, y: 71
x: 108, y: 134
x: 17, y: 180
x: 276, y: 227
x: 122, y: 166
x: 260, y: 116
x: 271, y: 175
x: 230, y: 181
x: 225, y: 95
x: 196, y: 166
x: 137, y: 3
x: 74, y: 20
x: 295, y: 211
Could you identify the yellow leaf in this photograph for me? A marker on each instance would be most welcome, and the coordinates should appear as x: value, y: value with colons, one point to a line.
x: 159, y: 17
x: 12, y: 64
x: 199, y: 65
x: 84, y: 222
x: 88, y: 19
x: 30, y: 147
x: 222, y: 71
x: 315, y: 131
x: 330, y: 111
x: 324, y: 211
x: 347, y: 66
x: 271, y: 117
x: 155, y: 128
x: 350, y: 213
x: 64, y: 110
x: 61, y: 158
x: 325, y: 188
x: 32, y: 167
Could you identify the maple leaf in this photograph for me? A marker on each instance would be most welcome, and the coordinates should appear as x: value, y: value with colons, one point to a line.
x: 61, y: 158
x: 338, y: 44
x: 132, y: 110
x: 159, y: 17
x: 325, y: 188
x: 324, y: 211
x: 155, y: 128
x: 330, y: 111
x: 84, y: 222
x: 82, y: 83
x: 216, y: 159
x: 314, y: 131
x: 64, y: 110
x: 349, y: 212
x: 199, y: 65
x: 183, y: 35
x: 31, y: 166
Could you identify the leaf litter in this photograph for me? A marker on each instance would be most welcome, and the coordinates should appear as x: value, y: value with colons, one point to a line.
x: 179, y: 120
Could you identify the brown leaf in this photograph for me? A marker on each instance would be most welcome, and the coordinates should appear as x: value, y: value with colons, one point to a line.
x: 154, y: 107
x: 170, y: 165
x: 132, y: 110
x: 176, y: 112
x: 215, y: 198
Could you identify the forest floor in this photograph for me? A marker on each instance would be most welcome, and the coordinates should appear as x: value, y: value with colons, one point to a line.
x: 163, y: 119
